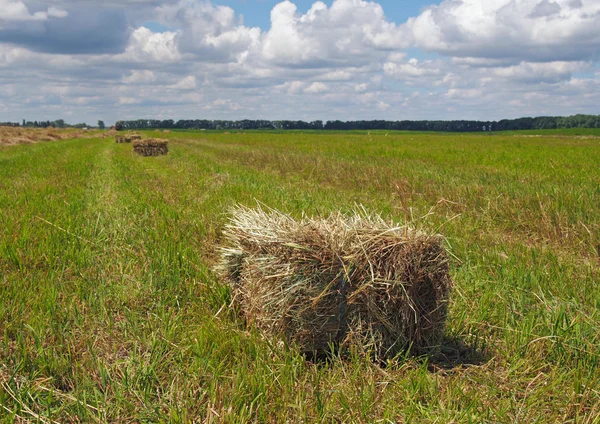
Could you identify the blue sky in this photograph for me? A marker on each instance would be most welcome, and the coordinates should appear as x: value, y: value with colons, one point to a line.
x: 257, y: 12
x: 84, y: 60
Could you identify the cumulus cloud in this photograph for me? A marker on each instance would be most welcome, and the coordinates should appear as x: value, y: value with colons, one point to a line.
x: 212, y: 32
x: 413, y: 68
x: 55, y: 12
x: 60, y: 31
x: 148, y: 46
x: 382, y: 105
x: 316, y: 88
x: 348, y: 33
x: 10, y: 55
x: 17, y: 10
x: 187, y: 83
x: 533, y: 30
x: 550, y: 72
x: 139, y: 77
x: 291, y: 87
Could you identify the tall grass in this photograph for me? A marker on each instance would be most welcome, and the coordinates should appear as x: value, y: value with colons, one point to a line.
x: 109, y: 310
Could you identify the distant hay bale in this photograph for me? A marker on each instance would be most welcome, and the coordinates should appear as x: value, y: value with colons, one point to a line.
x: 151, y: 147
x: 127, y: 137
x: 340, y: 281
x: 108, y: 134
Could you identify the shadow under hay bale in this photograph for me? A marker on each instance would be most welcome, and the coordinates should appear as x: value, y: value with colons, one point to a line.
x: 127, y: 138
x: 340, y: 281
x: 151, y: 147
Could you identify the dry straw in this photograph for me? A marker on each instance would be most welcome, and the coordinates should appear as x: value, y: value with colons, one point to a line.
x: 338, y: 282
x: 127, y: 138
x: 151, y: 147
x: 11, y: 136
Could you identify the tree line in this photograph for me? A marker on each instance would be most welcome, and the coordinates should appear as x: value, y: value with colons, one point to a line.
x: 538, y: 123
x: 542, y: 122
x: 59, y: 123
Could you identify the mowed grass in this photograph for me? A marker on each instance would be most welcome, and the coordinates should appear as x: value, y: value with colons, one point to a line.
x: 110, y: 310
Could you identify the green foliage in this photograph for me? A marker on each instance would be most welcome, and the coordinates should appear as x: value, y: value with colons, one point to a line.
x: 544, y: 122
x: 109, y: 310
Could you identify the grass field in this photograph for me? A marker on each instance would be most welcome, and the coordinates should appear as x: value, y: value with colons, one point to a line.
x: 109, y: 310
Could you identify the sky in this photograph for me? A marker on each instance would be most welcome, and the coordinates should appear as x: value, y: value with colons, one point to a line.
x: 85, y: 60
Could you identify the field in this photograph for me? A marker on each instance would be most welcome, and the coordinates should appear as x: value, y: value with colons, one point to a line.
x: 110, y: 310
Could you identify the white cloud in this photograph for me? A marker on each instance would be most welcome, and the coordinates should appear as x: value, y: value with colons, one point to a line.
x: 147, y: 46
x: 214, y: 33
x: 10, y: 55
x: 129, y: 100
x: 382, y: 105
x: 223, y: 105
x: 531, y: 30
x: 462, y: 93
x: 348, y: 33
x: 139, y: 77
x: 411, y: 69
x: 17, y: 11
x: 187, y: 83
x: 337, y: 75
x: 291, y: 87
x: 550, y: 72
x: 55, y: 12
x: 316, y: 88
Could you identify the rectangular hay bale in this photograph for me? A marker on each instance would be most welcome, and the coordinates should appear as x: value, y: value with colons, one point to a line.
x: 338, y: 281
x: 127, y: 138
x: 151, y: 147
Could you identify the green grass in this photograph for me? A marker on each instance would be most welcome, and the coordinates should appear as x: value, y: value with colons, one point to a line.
x: 109, y: 310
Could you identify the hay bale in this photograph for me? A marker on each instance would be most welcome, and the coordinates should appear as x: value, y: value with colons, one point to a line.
x: 340, y: 281
x: 151, y: 147
x: 127, y: 137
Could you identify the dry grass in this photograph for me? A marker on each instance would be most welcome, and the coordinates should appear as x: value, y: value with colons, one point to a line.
x: 12, y: 136
x: 346, y: 281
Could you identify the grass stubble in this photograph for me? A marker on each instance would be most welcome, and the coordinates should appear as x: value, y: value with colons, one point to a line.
x: 109, y: 310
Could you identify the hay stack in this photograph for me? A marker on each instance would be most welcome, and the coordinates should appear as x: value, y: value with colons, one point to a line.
x: 127, y: 138
x: 338, y: 281
x: 151, y: 147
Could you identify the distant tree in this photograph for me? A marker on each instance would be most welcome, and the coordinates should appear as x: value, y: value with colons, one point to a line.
x: 59, y: 123
x: 101, y: 125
